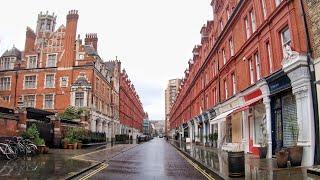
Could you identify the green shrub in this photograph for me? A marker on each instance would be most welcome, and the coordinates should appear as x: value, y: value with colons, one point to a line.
x: 71, y: 113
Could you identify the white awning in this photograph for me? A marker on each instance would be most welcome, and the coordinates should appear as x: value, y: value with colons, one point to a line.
x: 222, y: 116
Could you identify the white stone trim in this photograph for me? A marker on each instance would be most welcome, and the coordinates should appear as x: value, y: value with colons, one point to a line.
x: 47, y: 60
x: 24, y: 81
x: 53, y: 100
x: 45, y: 80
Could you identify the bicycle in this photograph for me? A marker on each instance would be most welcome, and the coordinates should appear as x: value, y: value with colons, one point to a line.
x: 7, y: 151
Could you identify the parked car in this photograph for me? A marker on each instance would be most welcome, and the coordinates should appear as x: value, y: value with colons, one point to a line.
x: 160, y: 136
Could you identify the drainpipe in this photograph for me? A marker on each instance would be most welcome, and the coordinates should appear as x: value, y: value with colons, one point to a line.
x: 313, y: 84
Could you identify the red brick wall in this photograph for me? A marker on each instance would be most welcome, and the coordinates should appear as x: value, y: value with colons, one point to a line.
x: 8, y: 127
x: 210, y: 51
x: 131, y: 110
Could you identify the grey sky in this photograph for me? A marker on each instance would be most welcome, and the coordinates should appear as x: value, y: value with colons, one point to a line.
x: 153, y: 38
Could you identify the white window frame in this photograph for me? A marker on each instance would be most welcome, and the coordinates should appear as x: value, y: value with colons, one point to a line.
x: 67, y: 81
x: 28, y: 61
x: 44, y: 101
x: 234, y: 84
x: 278, y: 2
x: 264, y: 8
x: 54, y: 80
x: 231, y: 46
x: 83, y: 101
x: 5, y: 99
x: 6, y: 63
x: 35, y: 100
x: 253, y: 21
x: 248, y: 32
x: 270, y: 58
x: 283, y: 44
x: 258, y: 65
x: 9, y: 87
x: 221, y: 25
x: 24, y: 81
x: 226, y: 89
x: 224, y: 56
x: 52, y: 54
x: 251, y: 70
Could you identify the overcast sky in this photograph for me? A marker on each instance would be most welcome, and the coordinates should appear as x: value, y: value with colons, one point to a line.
x: 153, y: 38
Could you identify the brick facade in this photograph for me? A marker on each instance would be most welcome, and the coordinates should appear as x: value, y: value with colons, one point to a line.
x: 57, y: 70
x: 220, y: 65
x: 131, y: 110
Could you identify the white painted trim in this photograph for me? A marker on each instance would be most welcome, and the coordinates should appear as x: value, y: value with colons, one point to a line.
x: 67, y: 81
x: 9, y: 85
x: 44, y: 102
x: 35, y: 98
x: 24, y: 80
x: 45, y: 80
x: 55, y: 60
x: 28, y: 58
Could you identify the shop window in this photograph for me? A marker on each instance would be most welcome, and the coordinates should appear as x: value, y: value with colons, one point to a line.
x: 259, y: 116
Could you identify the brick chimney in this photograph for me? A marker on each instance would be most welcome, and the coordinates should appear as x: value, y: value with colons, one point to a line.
x: 30, y: 40
x: 70, y: 38
x: 92, y: 38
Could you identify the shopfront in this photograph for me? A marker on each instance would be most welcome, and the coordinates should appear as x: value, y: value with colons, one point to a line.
x: 284, y: 111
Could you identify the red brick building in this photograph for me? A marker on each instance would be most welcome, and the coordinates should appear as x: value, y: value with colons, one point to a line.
x: 250, y: 70
x: 131, y: 109
x: 57, y: 69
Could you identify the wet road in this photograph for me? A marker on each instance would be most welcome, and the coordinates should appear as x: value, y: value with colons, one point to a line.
x: 154, y: 160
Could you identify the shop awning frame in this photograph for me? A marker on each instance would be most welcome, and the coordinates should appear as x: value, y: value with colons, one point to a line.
x: 248, y: 104
x: 222, y: 116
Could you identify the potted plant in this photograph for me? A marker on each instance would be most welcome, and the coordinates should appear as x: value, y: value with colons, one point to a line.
x: 263, y: 149
x: 65, y: 142
x: 295, y: 151
x: 236, y: 163
x: 39, y: 142
x: 282, y: 158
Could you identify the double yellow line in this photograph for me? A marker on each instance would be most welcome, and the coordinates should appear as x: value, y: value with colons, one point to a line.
x: 102, y: 167
x: 208, y: 176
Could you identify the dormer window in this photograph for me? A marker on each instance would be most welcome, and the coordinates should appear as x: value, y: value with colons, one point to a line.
x: 5, y: 63
x: 52, y: 60
x: 32, y: 62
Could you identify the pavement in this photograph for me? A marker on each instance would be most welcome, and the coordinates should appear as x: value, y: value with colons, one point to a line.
x: 155, y: 159
x: 59, y: 163
x: 216, y: 162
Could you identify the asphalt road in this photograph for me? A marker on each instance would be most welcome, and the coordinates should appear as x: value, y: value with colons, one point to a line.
x: 156, y: 160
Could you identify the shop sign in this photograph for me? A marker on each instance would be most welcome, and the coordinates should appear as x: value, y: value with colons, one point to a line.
x: 279, y: 82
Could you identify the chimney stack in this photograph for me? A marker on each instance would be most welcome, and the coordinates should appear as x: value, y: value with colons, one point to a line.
x: 92, y: 38
x: 70, y: 38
